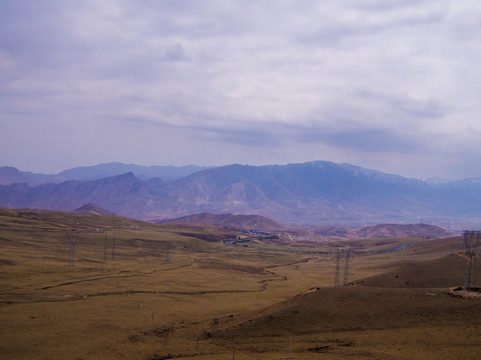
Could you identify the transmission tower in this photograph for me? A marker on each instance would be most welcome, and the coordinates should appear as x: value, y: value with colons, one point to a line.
x: 338, y: 267
x: 471, y: 242
x: 73, y: 244
x: 113, y: 247
x: 347, y: 258
x: 105, y: 247
x: 340, y: 256
x: 167, y: 254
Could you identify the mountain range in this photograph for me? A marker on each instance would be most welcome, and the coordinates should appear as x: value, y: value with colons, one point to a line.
x: 11, y: 175
x: 318, y: 192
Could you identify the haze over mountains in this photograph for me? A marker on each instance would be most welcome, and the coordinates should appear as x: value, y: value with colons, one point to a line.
x: 317, y: 192
x: 11, y: 175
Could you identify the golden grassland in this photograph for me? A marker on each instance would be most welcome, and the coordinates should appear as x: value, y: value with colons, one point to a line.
x: 171, y: 292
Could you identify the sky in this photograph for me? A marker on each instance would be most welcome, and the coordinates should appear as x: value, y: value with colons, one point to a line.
x: 389, y: 85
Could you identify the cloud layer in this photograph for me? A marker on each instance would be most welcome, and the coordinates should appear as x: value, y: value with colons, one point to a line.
x: 388, y: 85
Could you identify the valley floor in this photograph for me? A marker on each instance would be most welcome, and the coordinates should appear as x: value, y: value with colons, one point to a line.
x: 152, y: 292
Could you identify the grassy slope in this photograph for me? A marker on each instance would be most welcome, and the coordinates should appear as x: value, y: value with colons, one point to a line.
x: 170, y: 294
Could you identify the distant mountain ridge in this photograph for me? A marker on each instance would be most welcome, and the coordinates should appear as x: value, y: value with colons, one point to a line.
x: 318, y: 192
x: 166, y: 173
x: 10, y: 175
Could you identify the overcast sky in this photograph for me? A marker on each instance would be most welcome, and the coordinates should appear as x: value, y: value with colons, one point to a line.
x: 389, y: 85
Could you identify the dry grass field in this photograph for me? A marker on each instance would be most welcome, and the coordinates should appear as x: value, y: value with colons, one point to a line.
x: 137, y: 290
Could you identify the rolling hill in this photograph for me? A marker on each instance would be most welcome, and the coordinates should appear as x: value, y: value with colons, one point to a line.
x: 239, y: 222
x: 89, y: 209
x: 399, y: 230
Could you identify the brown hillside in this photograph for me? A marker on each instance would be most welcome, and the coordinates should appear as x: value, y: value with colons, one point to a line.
x: 91, y: 209
x: 357, y: 308
x: 399, y: 230
x: 448, y: 271
x: 407, y: 311
x: 244, y: 222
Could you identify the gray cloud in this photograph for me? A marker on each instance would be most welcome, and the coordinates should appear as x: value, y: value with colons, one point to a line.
x: 402, y: 106
x: 366, y: 140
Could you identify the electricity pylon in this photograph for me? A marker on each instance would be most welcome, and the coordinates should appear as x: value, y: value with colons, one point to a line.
x: 73, y: 244
x: 339, y: 256
x: 338, y: 267
x: 471, y: 242
x: 347, y: 257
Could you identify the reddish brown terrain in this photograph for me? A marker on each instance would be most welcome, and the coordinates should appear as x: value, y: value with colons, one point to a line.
x: 238, y: 222
x: 91, y: 209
